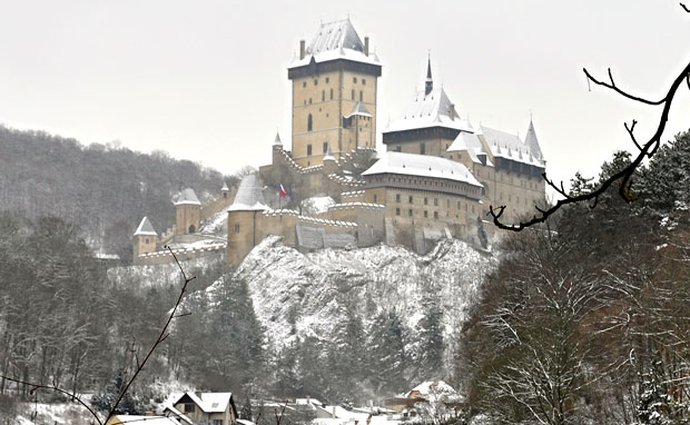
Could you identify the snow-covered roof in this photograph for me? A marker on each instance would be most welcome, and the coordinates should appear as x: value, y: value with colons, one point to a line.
x: 249, y: 195
x: 187, y: 197
x: 532, y: 142
x: 429, y: 387
x: 421, y: 165
x: 329, y: 155
x: 509, y: 146
x: 429, y: 110
x: 360, y: 110
x: 470, y: 143
x: 145, y: 228
x: 335, y: 40
x: 209, y: 402
x: 225, y: 187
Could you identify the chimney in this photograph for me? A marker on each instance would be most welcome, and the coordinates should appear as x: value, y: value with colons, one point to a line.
x: 366, y: 46
x: 301, y: 49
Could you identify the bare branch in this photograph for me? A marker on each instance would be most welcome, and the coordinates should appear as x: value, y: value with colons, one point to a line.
x: 685, y: 8
x: 162, y: 336
x: 623, y: 177
x: 612, y: 86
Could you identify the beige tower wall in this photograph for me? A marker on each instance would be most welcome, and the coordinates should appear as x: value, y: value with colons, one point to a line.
x: 328, y: 97
x: 144, y: 244
x: 187, y: 215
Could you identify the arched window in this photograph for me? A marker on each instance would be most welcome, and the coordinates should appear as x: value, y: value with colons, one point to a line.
x: 310, y: 123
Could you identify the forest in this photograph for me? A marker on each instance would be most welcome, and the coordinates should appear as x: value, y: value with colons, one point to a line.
x: 585, y: 320
x: 104, y: 189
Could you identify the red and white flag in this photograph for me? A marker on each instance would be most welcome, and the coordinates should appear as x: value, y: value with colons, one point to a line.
x: 282, y: 192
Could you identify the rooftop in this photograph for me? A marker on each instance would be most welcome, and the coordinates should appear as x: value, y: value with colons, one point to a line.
x: 421, y: 165
x: 187, y: 197
x: 509, y: 146
x: 145, y: 228
x: 335, y: 40
x: 249, y: 195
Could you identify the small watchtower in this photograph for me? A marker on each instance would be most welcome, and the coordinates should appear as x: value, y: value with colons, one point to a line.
x: 145, y: 239
x: 187, y: 213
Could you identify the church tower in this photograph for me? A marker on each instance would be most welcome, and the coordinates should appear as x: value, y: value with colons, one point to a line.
x: 334, y: 84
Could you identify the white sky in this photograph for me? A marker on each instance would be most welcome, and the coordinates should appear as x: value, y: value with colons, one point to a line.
x: 206, y: 80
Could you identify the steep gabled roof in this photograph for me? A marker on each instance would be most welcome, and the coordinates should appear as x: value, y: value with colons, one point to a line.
x: 335, y: 40
x: 187, y: 197
x: 145, y: 228
x: 249, y: 195
x: 509, y: 146
x: 471, y: 144
x: 209, y: 402
x: 429, y: 110
x: 411, y: 164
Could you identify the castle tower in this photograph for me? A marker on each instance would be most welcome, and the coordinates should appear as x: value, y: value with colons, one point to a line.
x: 244, y: 216
x: 331, y: 76
x: 145, y: 238
x: 187, y: 213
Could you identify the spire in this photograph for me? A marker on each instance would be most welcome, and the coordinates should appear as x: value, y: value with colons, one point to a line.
x: 532, y: 142
x: 277, y: 140
x: 429, y: 83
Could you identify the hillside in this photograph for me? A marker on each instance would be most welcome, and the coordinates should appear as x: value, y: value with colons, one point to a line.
x: 105, y: 190
x: 340, y: 324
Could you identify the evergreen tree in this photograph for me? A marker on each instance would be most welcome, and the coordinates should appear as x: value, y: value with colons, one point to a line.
x: 431, y: 343
x: 387, y: 354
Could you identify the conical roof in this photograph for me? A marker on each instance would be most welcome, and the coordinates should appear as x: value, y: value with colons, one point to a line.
x: 277, y: 140
x: 249, y: 195
x: 187, y: 197
x: 145, y: 228
x: 532, y: 142
x: 360, y: 110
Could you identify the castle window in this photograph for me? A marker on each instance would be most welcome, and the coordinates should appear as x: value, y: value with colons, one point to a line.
x: 354, y: 80
x: 361, y: 96
x: 316, y: 82
x: 426, y: 201
x: 436, y: 215
x: 146, y: 240
x: 353, y: 94
x: 325, y: 147
x: 328, y: 80
x: 192, y: 229
x: 237, y: 227
x: 436, y: 202
x: 426, y: 214
x: 331, y: 94
x: 364, y: 82
x: 397, y: 211
x: 409, y: 212
x: 304, y: 84
x: 308, y: 150
x: 410, y: 199
x: 397, y: 197
x: 310, y: 100
x: 422, y: 148
x: 458, y: 204
x: 310, y: 123
x: 375, y: 198
x: 323, y: 95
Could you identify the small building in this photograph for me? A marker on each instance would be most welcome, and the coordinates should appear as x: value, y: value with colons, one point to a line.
x: 206, y: 408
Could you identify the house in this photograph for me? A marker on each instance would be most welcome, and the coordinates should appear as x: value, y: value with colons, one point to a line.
x: 194, y: 408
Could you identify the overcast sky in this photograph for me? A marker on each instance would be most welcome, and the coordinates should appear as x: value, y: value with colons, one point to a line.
x: 207, y: 80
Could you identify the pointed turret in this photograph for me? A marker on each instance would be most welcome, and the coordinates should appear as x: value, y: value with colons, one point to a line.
x: 532, y: 142
x: 188, y: 212
x: 429, y: 82
x: 277, y: 141
x: 145, y: 238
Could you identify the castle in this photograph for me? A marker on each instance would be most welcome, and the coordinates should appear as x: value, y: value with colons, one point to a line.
x: 437, y: 177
